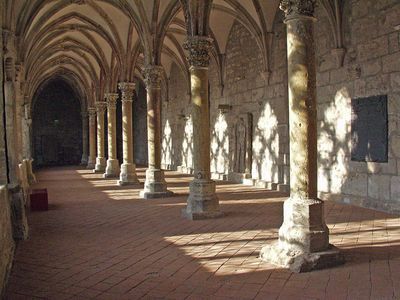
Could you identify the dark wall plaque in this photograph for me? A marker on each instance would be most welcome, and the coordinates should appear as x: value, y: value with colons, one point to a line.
x: 369, y: 129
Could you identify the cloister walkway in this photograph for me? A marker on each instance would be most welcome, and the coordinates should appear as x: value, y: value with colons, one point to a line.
x: 101, y: 241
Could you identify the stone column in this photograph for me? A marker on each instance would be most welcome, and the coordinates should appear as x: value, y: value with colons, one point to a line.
x: 303, y: 243
x: 100, y: 159
x: 202, y: 202
x: 84, y: 159
x: 155, y: 185
x: 112, y: 169
x: 26, y: 130
x: 128, y: 168
x: 92, y: 138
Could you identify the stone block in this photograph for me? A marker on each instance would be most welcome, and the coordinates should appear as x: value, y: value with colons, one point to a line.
x: 379, y: 186
x: 373, y: 48
x: 395, y: 188
x: 391, y: 63
x: 395, y: 81
x: 356, y: 184
x: 371, y: 67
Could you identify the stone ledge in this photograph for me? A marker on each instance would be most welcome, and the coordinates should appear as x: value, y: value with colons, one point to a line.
x: 301, y: 262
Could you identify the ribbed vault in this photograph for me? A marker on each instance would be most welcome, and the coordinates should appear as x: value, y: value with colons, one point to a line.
x: 97, y: 43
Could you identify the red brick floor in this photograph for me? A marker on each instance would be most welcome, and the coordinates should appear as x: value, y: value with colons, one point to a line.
x: 101, y: 241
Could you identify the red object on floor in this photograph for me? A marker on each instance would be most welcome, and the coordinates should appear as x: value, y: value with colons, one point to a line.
x: 39, y: 200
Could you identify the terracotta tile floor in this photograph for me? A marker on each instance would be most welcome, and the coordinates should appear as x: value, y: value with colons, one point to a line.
x: 100, y: 241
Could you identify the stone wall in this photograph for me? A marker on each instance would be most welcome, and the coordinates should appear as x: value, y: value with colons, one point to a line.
x: 371, y: 67
x: 177, y: 145
x: 3, y: 156
x: 7, y: 244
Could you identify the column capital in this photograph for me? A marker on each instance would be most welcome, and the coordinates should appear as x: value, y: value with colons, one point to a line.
x: 199, y: 48
x: 101, y: 106
x: 152, y: 76
x: 298, y: 8
x: 112, y: 99
x: 91, y: 111
x: 127, y: 89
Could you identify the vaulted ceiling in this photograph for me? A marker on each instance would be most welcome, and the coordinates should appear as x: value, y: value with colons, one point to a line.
x: 96, y: 43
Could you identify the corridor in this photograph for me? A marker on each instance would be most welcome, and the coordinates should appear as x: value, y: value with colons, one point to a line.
x: 101, y: 241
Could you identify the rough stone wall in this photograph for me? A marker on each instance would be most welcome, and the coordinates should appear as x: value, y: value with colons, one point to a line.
x: 177, y: 143
x: 245, y: 90
x: 3, y: 163
x: 7, y: 244
x: 371, y: 67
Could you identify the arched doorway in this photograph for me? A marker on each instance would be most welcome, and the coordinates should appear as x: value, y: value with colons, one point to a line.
x: 57, y: 125
x: 140, y: 125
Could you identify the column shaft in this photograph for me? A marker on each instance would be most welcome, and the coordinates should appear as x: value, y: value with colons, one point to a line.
x: 112, y: 169
x: 155, y: 185
x: 128, y: 168
x: 303, y: 243
x: 92, y: 138
x: 84, y: 159
x: 100, y: 159
x: 202, y: 202
x: 153, y: 128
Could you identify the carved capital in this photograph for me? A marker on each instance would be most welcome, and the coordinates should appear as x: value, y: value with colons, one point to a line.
x: 298, y: 8
x: 91, y: 112
x: 112, y: 99
x: 101, y: 106
x: 199, y: 48
x: 152, y: 76
x: 127, y: 89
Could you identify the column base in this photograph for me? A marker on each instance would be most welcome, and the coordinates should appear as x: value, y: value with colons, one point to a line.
x: 155, y: 185
x: 128, y: 175
x: 301, y: 261
x: 100, y: 166
x: 303, y: 243
x: 84, y: 160
x: 112, y: 169
x: 202, y: 202
x: 91, y: 164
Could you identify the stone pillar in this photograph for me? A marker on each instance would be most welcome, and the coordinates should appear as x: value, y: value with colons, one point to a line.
x: 27, y: 130
x: 92, y: 138
x: 303, y: 243
x: 112, y: 169
x: 100, y: 159
x: 84, y: 159
x: 202, y: 202
x: 128, y: 168
x: 155, y: 185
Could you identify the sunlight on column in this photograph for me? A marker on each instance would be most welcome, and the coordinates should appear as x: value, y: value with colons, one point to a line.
x: 166, y: 148
x: 220, y: 145
x: 266, y: 146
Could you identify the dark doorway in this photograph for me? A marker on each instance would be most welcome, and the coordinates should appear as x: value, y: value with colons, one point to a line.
x: 57, y: 125
x: 140, y: 125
